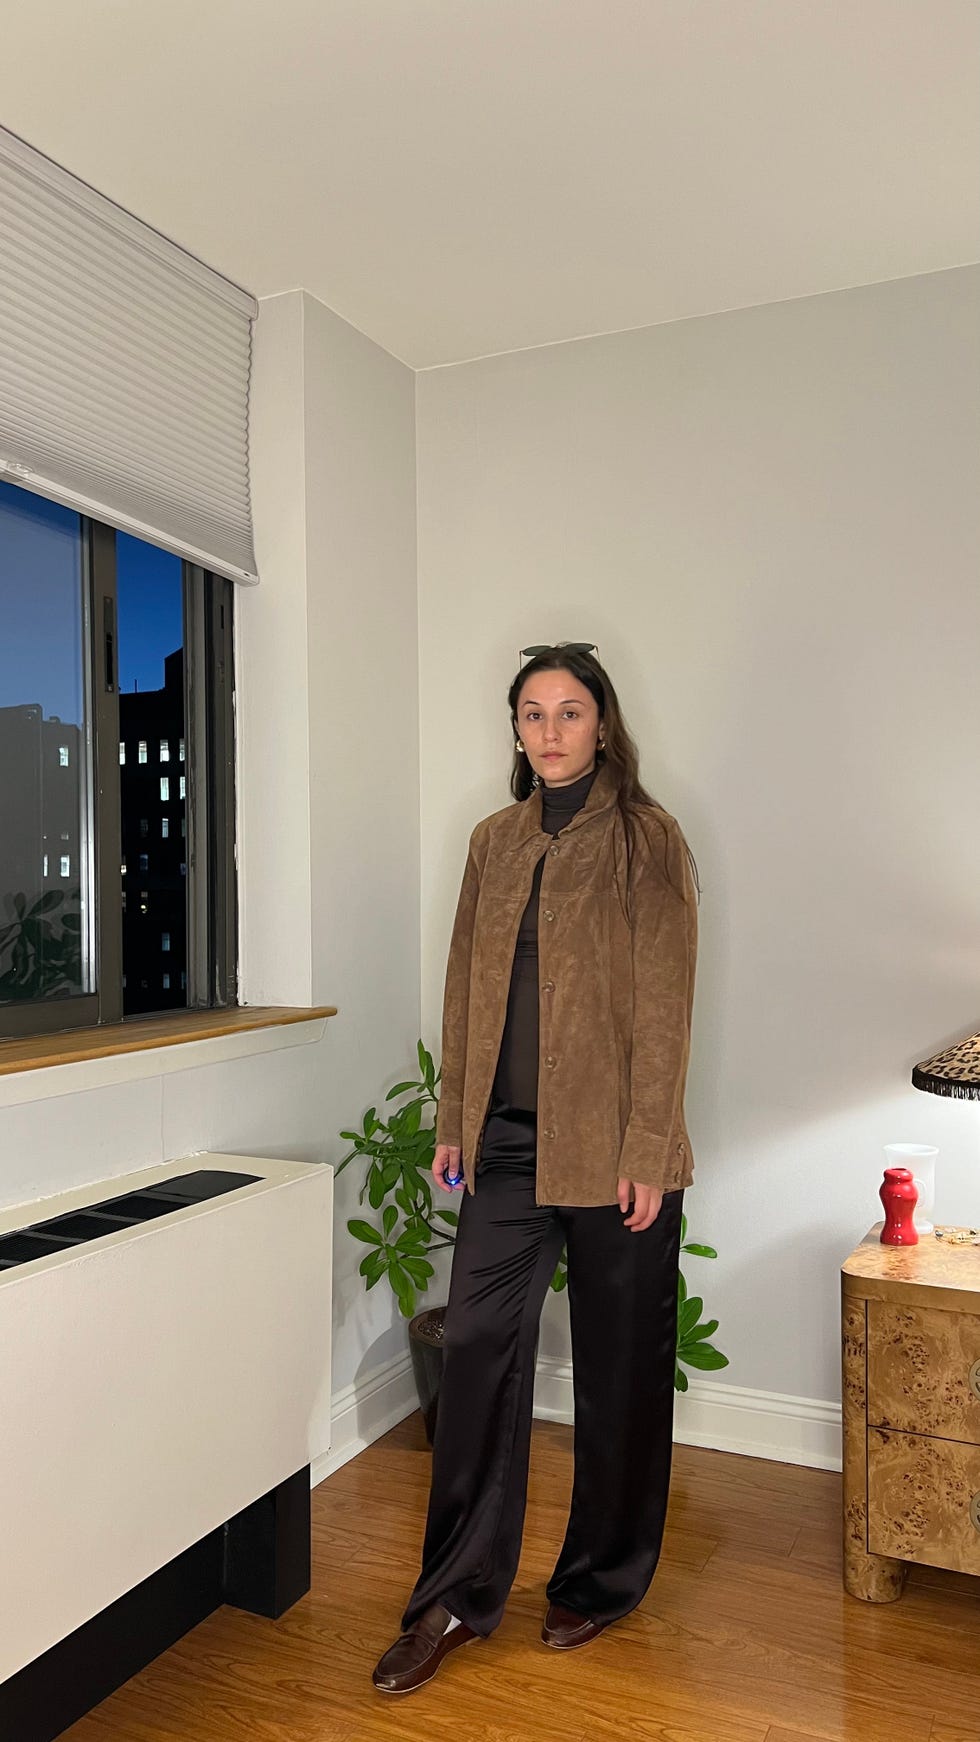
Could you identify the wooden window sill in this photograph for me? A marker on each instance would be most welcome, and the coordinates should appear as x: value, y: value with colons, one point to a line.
x: 82, y: 1058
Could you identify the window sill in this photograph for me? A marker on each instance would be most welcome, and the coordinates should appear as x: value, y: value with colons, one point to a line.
x: 89, y: 1058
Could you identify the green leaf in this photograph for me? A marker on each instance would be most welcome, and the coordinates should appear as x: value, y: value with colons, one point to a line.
x: 389, y: 1219
x: 450, y: 1216
x: 370, y: 1122
x: 419, y: 1270
x: 680, y: 1380
x: 400, y: 1089
x: 424, y: 1059
x: 683, y: 1227
x: 372, y: 1264
x: 391, y: 1173
x: 405, y: 1201
x: 374, y: 1280
x: 350, y: 1136
x: 681, y: 1288
x: 402, y: 1285
x: 700, y: 1251
x: 364, y: 1231
x: 376, y: 1187
x: 699, y: 1332
x: 688, y: 1316
x: 703, y: 1356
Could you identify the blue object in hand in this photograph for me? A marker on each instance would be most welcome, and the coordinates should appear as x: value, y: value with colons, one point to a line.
x: 454, y: 1179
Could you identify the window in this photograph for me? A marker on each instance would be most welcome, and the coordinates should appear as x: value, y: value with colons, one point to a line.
x: 165, y: 941
x: 108, y: 641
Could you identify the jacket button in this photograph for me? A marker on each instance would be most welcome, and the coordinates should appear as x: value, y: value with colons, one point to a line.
x: 548, y: 914
x: 548, y: 986
x: 550, y: 1062
x: 549, y: 1133
x: 555, y: 850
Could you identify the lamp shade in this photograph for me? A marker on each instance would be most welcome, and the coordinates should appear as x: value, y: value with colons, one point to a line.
x: 954, y: 1071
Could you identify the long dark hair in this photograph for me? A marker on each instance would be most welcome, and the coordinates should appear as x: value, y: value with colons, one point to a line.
x: 619, y: 752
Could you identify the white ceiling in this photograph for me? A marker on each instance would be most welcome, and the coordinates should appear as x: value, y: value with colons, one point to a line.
x: 459, y: 177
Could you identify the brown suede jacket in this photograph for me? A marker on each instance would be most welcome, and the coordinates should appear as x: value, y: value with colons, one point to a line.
x: 615, y: 995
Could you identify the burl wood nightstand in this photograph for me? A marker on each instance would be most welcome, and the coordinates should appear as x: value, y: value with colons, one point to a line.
x: 910, y: 1331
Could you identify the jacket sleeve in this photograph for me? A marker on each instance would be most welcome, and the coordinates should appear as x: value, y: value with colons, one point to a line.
x: 455, y: 1007
x: 664, y: 932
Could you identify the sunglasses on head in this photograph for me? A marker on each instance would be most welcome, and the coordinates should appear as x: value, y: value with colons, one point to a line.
x: 566, y: 647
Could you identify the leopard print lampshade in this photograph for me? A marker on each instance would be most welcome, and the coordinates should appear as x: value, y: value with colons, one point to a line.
x: 955, y: 1071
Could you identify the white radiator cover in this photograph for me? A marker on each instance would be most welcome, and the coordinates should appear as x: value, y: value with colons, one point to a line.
x: 154, y: 1383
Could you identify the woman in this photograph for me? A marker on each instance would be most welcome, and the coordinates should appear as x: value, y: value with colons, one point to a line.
x: 566, y: 1033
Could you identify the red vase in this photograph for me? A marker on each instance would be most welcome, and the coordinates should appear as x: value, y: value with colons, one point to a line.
x: 899, y: 1197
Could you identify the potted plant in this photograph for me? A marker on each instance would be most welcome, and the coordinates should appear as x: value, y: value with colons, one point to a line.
x: 399, y: 1151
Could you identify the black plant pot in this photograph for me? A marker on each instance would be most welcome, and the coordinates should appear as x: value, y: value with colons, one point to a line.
x: 425, y: 1342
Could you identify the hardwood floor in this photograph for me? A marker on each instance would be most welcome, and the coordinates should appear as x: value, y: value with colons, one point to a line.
x: 745, y: 1636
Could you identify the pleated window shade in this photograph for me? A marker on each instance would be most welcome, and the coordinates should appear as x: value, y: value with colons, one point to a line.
x: 124, y: 369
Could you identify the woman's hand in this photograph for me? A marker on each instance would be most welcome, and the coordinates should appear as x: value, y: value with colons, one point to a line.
x: 448, y: 1158
x: 647, y: 1201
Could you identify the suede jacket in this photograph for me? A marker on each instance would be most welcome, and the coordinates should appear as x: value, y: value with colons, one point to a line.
x: 616, y: 986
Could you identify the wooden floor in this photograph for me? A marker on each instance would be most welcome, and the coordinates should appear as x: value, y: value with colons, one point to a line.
x: 745, y: 1636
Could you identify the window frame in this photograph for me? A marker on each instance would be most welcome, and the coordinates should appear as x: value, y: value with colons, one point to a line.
x: 211, y: 855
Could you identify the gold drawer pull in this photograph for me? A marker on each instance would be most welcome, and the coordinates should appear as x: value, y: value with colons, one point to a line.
x: 975, y: 1512
x: 975, y: 1379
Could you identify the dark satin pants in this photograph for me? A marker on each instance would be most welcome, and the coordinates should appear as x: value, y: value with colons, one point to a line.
x: 622, y: 1291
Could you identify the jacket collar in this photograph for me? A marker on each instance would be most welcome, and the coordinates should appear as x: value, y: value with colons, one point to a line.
x: 601, y: 798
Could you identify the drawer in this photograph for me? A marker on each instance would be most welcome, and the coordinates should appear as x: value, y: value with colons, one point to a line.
x: 923, y: 1498
x: 924, y: 1371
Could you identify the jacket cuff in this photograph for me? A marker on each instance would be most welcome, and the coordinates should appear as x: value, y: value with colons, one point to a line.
x: 449, y: 1123
x: 649, y: 1160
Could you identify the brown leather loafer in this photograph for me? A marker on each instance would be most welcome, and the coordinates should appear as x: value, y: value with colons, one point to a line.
x: 416, y: 1656
x: 566, y: 1630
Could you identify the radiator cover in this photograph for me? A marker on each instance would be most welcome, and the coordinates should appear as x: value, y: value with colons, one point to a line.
x: 154, y: 1382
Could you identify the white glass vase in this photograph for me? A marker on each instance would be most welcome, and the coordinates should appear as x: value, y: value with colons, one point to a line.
x: 920, y: 1159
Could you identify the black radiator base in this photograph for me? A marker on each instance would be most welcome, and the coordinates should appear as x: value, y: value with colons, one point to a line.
x: 259, y: 1561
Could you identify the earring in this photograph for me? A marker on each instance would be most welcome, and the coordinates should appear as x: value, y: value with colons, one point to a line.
x: 519, y: 748
x: 601, y: 744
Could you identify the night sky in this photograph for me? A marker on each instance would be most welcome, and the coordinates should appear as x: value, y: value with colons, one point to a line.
x: 40, y: 607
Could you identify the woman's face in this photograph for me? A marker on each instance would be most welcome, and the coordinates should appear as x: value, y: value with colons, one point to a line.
x: 558, y: 724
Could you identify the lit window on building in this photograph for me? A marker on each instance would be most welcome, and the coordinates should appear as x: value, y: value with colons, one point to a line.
x: 142, y: 750
x: 144, y: 825
x: 183, y: 786
x: 164, y: 750
x: 164, y: 941
x: 183, y: 828
x: 45, y: 870
x: 144, y: 901
x: 165, y: 827
x: 122, y: 868
x: 183, y: 981
x: 66, y: 864
x: 166, y: 982
x: 164, y: 787
x: 182, y: 750
x: 63, y: 756
x: 144, y: 861
x: 183, y: 867
x: 122, y: 752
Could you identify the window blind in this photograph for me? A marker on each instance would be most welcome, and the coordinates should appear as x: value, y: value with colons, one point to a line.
x: 124, y: 369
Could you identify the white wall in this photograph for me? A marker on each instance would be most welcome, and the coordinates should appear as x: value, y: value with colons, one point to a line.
x: 768, y: 521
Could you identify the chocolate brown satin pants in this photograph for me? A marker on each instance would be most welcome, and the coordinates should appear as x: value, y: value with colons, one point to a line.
x: 622, y: 1290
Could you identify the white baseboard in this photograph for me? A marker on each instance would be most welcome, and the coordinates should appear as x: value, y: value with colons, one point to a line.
x: 727, y: 1418
x: 362, y: 1412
